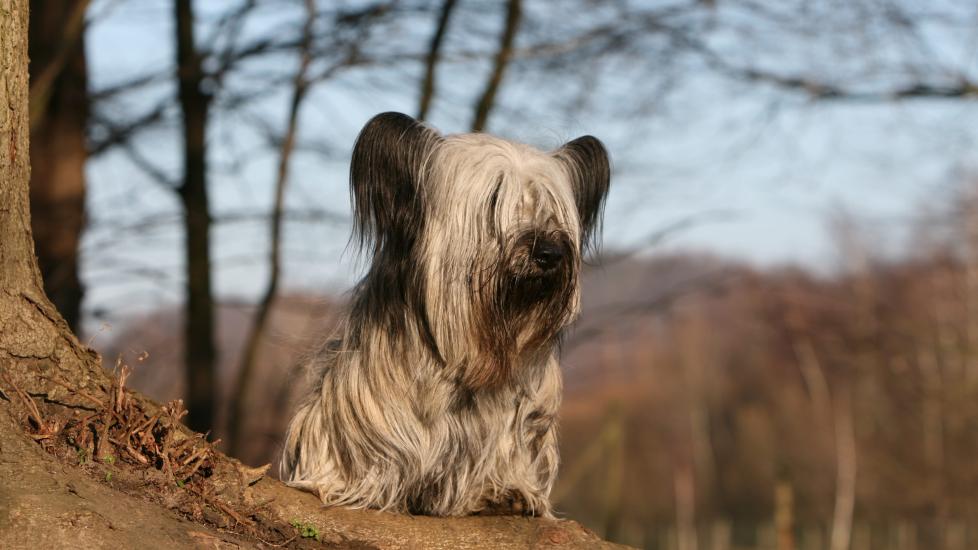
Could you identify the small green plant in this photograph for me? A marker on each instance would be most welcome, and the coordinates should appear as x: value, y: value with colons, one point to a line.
x: 180, y: 483
x: 82, y: 456
x: 108, y: 459
x: 108, y: 476
x: 306, y: 530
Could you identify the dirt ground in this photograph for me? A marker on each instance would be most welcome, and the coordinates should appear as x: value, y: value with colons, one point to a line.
x: 103, y: 467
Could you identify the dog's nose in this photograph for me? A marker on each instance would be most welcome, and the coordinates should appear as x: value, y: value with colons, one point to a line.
x: 546, y: 256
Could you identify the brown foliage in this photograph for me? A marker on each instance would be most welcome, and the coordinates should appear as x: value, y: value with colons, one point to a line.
x: 743, y: 384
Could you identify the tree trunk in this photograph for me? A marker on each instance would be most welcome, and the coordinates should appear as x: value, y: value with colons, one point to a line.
x: 845, y: 476
x: 33, y: 336
x: 59, y: 104
x: 199, y: 349
x: 18, y: 271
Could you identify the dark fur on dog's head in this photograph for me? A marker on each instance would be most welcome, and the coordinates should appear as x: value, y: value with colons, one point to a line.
x: 389, y: 217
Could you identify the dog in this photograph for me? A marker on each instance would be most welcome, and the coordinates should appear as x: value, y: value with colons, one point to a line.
x: 439, y: 393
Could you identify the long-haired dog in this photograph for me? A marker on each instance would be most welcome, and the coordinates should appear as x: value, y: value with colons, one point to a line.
x: 439, y: 393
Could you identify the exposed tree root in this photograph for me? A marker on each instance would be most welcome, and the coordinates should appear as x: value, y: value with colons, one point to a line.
x: 120, y: 439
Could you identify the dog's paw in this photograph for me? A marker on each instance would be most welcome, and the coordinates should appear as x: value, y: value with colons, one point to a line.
x: 510, y: 503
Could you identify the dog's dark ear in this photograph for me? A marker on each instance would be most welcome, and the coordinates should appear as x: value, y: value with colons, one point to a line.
x: 590, y: 169
x: 385, y: 180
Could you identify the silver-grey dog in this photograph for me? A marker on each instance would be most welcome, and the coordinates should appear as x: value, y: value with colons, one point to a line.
x: 439, y: 393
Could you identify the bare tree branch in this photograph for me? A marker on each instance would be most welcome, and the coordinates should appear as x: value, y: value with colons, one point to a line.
x: 117, y: 134
x: 962, y: 89
x: 431, y: 62
x: 131, y: 84
x: 659, y: 235
x: 606, y: 317
x: 147, y: 166
x: 514, y: 12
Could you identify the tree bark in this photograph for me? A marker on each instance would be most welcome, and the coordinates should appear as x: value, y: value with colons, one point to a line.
x: 18, y: 270
x: 59, y: 119
x: 33, y: 336
x: 199, y: 348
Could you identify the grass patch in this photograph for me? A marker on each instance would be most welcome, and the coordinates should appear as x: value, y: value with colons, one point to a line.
x: 306, y: 530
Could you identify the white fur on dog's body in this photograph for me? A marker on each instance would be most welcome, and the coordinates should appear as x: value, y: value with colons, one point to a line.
x: 496, y: 457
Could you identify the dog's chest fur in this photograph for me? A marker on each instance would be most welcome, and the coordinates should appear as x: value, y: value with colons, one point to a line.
x: 425, y: 445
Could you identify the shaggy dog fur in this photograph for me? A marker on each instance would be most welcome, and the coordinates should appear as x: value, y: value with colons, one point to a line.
x: 439, y: 393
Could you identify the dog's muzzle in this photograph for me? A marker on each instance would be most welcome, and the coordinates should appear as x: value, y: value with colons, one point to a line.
x: 542, y: 255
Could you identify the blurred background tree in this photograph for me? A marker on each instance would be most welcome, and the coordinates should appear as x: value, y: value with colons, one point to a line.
x: 59, y: 122
x: 741, y: 376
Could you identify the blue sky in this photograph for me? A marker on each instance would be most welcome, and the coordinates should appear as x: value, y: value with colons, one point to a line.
x: 764, y: 169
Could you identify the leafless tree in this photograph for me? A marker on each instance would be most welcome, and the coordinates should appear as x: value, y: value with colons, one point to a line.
x: 199, y: 352
x: 300, y: 88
